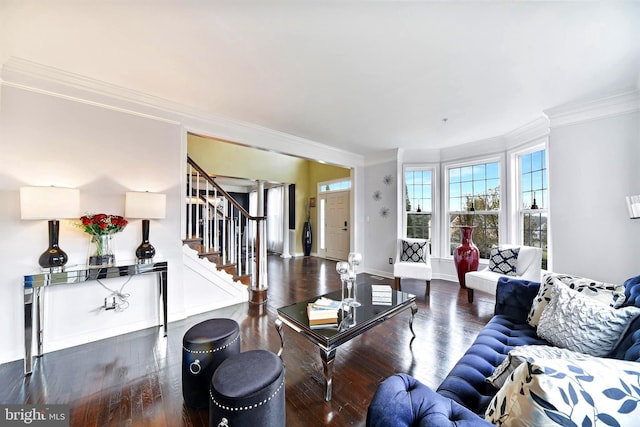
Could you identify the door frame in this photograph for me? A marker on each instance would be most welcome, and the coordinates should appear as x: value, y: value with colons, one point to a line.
x: 320, y: 251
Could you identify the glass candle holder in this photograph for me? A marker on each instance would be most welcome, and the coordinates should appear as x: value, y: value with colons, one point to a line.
x: 342, y: 268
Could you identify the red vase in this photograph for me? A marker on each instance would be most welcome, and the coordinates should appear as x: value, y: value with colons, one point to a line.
x: 465, y: 256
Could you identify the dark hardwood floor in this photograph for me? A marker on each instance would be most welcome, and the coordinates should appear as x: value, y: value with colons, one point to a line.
x: 135, y: 379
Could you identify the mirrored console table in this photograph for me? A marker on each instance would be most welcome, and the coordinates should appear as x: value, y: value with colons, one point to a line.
x: 34, y: 285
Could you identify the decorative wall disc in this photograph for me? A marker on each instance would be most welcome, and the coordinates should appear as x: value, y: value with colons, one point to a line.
x: 384, y: 212
x: 388, y: 179
x: 377, y: 195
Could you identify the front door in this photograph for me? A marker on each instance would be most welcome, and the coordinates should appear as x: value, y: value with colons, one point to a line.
x: 337, y: 224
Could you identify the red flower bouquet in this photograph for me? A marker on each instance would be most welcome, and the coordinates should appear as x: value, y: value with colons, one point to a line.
x: 102, y: 227
x: 102, y: 224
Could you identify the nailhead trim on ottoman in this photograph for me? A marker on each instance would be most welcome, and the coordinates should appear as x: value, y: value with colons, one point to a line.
x: 204, y: 347
x: 248, y: 390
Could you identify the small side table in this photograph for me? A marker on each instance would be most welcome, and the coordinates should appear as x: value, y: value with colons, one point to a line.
x: 34, y: 285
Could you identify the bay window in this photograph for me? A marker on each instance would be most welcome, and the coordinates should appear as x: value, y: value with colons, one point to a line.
x: 474, y: 200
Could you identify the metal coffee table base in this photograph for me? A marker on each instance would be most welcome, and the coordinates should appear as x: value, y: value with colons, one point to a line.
x: 328, y: 353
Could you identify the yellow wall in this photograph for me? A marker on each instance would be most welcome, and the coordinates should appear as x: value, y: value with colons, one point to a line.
x: 232, y: 160
x: 236, y: 161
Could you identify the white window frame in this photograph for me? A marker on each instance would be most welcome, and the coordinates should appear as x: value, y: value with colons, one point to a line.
x: 502, y: 227
x: 519, y: 211
x: 435, y: 191
x: 348, y: 184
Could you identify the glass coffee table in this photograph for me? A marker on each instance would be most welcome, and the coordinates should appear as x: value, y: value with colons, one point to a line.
x: 352, y: 323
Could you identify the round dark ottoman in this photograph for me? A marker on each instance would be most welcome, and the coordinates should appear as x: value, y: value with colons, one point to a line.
x: 247, y: 390
x: 204, y: 347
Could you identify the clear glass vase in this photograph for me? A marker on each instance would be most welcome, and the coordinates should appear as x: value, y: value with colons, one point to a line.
x: 101, y: 251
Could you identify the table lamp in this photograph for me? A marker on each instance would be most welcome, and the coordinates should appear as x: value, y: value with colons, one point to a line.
x: 52, y: 204
x: 633, y: 203
x: 147, y: 206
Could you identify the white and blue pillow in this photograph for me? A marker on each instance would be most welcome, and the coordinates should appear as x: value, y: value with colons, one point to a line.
x: 413, y: 251
x: 504, y: 260
x: 552, y: 392
x: 608, y: 293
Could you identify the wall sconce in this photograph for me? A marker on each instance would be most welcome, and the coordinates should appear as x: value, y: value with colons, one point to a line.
x: 633, y: 204
x: 52, y: 204
x: 146, y: 206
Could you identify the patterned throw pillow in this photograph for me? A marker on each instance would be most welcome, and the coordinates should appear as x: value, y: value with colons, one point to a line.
x: 521, y: 354
x: 413, y: 251
x: 553, y: 392
x: 503, y: 261
x: 608, y: 293
x: 574, y: 321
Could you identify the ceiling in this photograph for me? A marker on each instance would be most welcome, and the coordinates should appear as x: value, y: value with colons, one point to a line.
x: 364, y: 76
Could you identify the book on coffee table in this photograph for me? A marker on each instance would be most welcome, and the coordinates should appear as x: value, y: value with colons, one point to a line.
x: 323, y: 313
x: 381, y: 295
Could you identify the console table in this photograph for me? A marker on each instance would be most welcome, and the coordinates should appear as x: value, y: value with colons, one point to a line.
x: 34, y: 285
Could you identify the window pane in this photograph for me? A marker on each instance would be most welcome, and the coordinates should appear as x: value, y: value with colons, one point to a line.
x: 526, y: 183
x: 466, y: 173
x: 525, y: 163
x: 493, y: 170
x: 536, y: 181
x: 454, y: 175
x: 493, y: 185
x: 535, y: 233
x: 418, y: 204
x: 454, y: 190
x: 467, y: 188
x: 536, y: 161
x: 418, y: 226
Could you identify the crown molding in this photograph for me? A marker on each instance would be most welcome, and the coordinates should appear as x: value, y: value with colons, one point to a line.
x: 382, y: 157
x: 534, y: 130
x: 593, y: 109
x: 41, y: 78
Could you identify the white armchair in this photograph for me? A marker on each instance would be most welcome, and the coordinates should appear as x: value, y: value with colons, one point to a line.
x: 528, y: 267
x: 415, y: 264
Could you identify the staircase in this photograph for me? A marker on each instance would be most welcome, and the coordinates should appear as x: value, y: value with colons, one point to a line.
x: 220, y: 230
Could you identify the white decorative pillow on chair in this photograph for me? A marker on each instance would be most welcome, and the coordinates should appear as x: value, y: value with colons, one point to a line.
x: 413, y: 251
x: 608, y: 293
x: 552, y: 392
x: 504, y: 260
x: 574, y: 321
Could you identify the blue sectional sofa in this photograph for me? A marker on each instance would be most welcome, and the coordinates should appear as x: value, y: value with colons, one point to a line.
x: 464, y: 395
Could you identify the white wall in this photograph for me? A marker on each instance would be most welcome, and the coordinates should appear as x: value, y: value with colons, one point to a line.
x: 593, y: 165
x: 49, y: 140
x: 380, y: 216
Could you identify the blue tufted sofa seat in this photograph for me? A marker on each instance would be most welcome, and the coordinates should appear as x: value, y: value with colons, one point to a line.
x: 401, y: 400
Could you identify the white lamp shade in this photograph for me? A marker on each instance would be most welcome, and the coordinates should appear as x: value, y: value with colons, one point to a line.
x: 49, y: 203
x: 633, y: 203
x: 145, y: 205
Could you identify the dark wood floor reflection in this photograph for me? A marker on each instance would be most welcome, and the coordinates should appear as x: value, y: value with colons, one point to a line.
x: 135, y: 379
